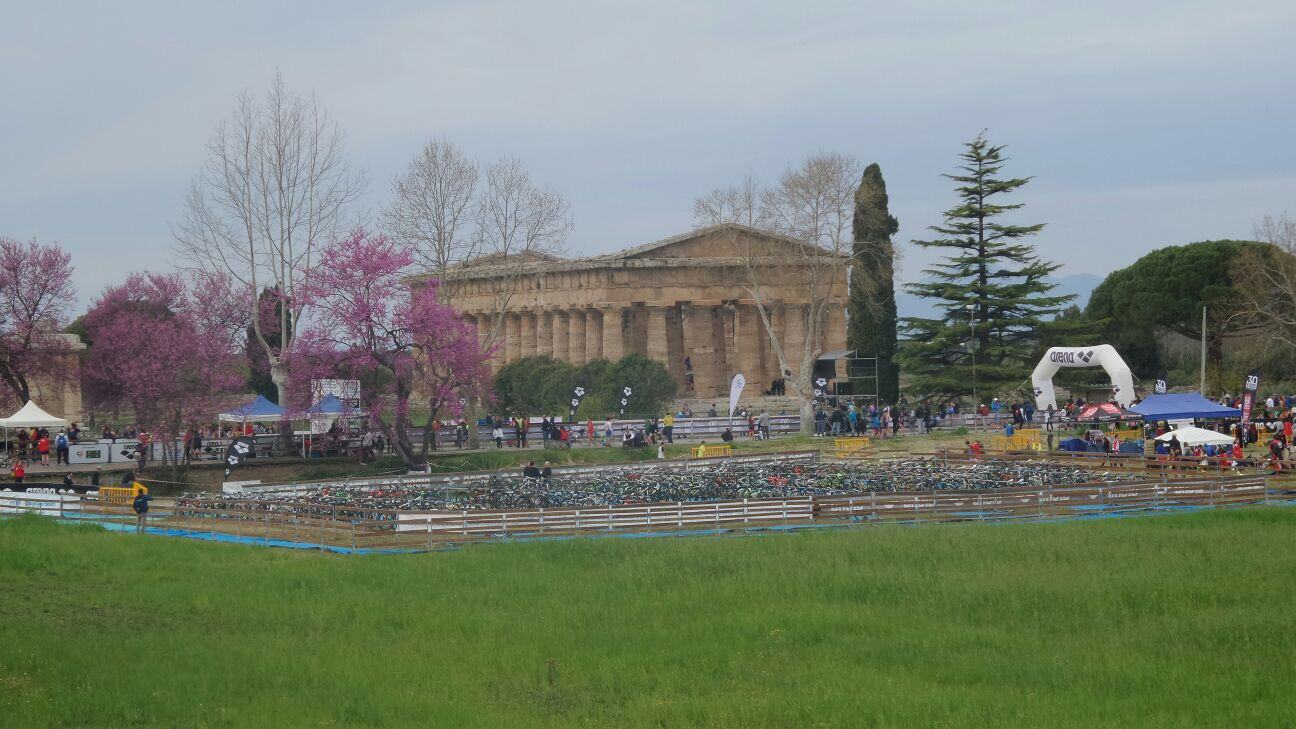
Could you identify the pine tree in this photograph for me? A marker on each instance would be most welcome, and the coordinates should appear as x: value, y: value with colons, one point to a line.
x: 987, y: 274
x: 872, y: 328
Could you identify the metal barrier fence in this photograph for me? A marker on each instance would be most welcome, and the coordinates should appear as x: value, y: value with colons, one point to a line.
x: 352, y: 530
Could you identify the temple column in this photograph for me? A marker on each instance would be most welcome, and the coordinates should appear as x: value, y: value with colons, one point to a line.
x: 560, y: 342
x: 834, y: 328
x: 778, y: 322
x: 527, y: 338
x: 576, y: 336
x: 512, y: 338
x: 613, y: 334
x: 732, y: 357
x: 593, y: 334
x: 545, y: 333
x: 720, y: 356
x: 699, y: 347
x: 657, y: 346
x: 749, y: 336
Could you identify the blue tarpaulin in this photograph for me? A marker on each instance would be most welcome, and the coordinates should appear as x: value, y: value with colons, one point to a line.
x: 259, y: 409
x: 1182, y: 407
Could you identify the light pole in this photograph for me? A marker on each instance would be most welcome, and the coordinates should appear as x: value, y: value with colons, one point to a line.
x: 976, y: 403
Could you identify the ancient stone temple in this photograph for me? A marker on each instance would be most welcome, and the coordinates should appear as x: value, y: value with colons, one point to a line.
x: 676, y: 299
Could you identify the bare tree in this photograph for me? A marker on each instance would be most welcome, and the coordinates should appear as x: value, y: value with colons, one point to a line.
x: 734, y: 204
x: 813, y: 206
x: 432, y: 207
x: 1265, y: 280
x: 518, y: 224
x: 275, y: 188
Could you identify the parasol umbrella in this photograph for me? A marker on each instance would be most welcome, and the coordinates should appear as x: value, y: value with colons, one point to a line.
x: 1107, y: 412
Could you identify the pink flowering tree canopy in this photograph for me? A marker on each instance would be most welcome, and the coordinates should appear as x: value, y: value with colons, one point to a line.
x: 403, y: 345
x: 35, y: 294
x: 164, y: 350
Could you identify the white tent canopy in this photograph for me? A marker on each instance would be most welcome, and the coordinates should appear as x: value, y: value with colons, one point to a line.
x: 31, y: 416
x: 1191, y: 436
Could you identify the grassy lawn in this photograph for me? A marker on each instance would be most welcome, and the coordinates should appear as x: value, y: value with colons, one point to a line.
x: 1159, y: 621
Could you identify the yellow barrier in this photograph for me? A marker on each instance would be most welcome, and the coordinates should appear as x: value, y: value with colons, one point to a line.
x: 121, y: 494
x: 1015, y: 442
x: 849, y: 446
x: 712, y: 451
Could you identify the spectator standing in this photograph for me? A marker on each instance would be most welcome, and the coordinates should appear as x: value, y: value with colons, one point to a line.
x: 61, y: 449
x: 498, y: 434
x: 668, y: 427
x: 141, y: 506
x: 43, y: 448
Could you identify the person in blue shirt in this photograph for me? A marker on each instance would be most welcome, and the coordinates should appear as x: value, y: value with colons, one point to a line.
x: 141, y: 506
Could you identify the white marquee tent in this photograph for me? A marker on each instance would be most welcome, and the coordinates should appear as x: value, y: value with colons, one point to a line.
x: 1191, y: 436
x: 31, y: 416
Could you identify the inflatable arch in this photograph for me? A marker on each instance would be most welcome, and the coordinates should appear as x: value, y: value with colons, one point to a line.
x: 1102, y: 355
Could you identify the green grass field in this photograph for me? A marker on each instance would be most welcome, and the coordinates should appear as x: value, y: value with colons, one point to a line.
x: 1169, y: 621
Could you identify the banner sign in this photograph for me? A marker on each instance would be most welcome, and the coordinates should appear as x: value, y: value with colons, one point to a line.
x: 735, y: 390
x: 1249, y: 389
x: 626, y: 392
x: 820, y: 389
x: 1161, y: 386
x: 577, y: 395
x: 239, y: 449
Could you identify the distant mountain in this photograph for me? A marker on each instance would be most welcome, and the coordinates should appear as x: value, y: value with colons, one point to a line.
x: 1080, y: 284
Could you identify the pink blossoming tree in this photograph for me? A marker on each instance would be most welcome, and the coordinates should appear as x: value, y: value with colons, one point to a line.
x: 406, y: 348
x: 35, y: 293
x: 164, y: 350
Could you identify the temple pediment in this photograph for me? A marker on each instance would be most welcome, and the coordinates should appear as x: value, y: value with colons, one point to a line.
x: 717, y: 241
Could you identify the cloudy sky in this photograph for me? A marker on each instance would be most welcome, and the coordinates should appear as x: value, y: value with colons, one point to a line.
x: 1145, y: 124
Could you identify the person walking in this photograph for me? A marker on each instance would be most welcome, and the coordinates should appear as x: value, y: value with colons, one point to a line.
x: 141, y: 506
x: 764, y: 423
x: 498, y: 434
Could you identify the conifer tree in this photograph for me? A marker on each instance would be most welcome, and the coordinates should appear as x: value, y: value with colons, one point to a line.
x: 987, y: 275
x: 872, y: 306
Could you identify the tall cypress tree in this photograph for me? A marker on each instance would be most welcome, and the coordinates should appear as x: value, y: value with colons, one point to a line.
x: 987, y: 273
x: 872, y: 328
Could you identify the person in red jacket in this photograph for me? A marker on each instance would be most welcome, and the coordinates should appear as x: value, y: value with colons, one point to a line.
x: 19, y: 472
x: 43, y: 447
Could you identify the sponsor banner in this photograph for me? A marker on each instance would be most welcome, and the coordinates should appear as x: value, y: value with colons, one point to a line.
x: 239, y: 449
x: 1249, y: 389
x: 577, y: 395
x: 735, y: 391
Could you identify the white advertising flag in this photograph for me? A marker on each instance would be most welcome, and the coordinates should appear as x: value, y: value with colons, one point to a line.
x: 735, y: 390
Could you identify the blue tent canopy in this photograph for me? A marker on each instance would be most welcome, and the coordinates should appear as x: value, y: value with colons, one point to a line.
x: 259, y: 410
x: 330, y: 405
x: 1182, y: 407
